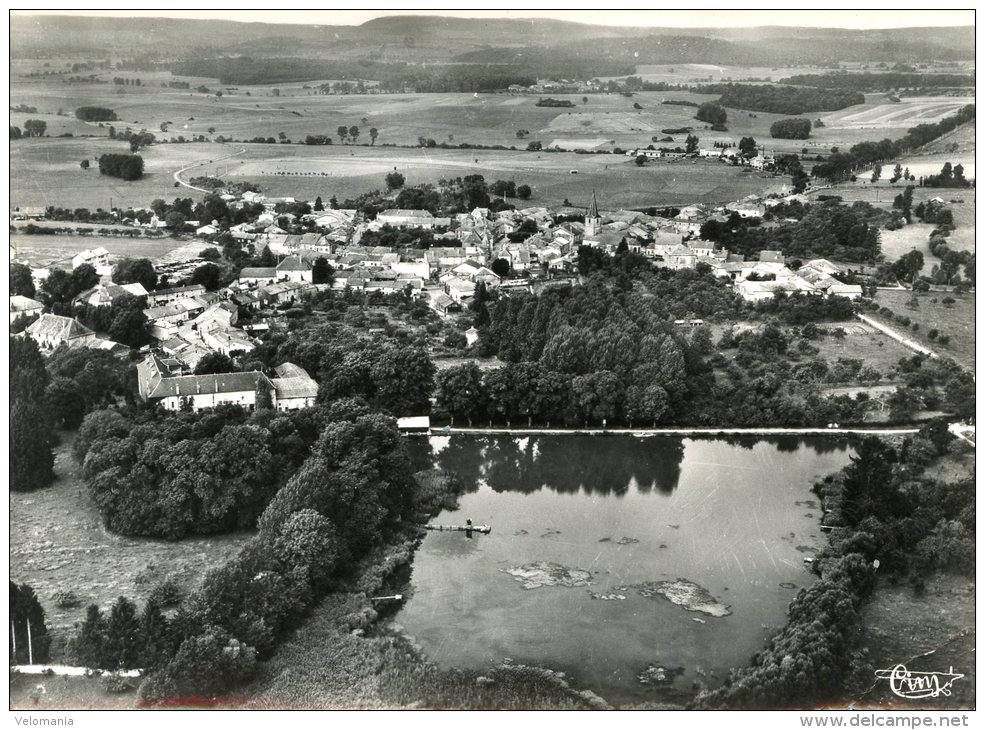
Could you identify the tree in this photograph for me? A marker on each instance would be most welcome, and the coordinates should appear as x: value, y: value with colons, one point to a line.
x: 354, y: 133
x: 373, y: 134
x: 319, y: 205
x: 122, y: 648
x: 215, y: 362
x: 210, y: 253
x: 90, y: 643
x: 691, y: 144
x: 64, y: 403
x: 153, y: 632
x: 135, y: 271
x: 129, y: 325
x: 523, y: 192
x: 322, y: 271
x: 501, y: 267
x: 711, y: 112
x: 35, y: 127
x: 461, y: 392
x: 342, y: 132
x: 394, y: 181
x: 175, y: 220
x: 747, y: 146
x: 31, y: 441
x: 15, y: 132
x: 640, y: 160
x: 791, y: 129
x: 876, y: 173
x: 84, y: 164
x: 264, y: 397
x: 207, y: 275
x: 24, y: 608
x: 584, y: 100
x: 21, y: 282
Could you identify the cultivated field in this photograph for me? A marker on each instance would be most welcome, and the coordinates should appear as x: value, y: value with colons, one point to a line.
x: 909, y: 112
x: 58, y: 251
x: 957, y: 321
x: 59, y: 544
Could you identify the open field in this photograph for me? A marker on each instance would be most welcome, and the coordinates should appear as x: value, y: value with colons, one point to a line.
x: 297, y: 110
x: 58, y: 250
x: 861, y: 342
x: 956, y: 321
x: 305, y: 172
x: 898, y: 626
x: 60, y: 544
x: 66, y: 693
x: 46, y: 172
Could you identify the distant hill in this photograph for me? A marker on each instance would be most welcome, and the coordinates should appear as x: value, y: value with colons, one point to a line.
x: 427, y: 39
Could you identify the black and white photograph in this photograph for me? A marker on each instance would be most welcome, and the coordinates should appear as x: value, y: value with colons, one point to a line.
x: 528, y: 360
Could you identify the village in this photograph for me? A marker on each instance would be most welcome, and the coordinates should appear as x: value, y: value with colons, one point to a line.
x: 480, y: 248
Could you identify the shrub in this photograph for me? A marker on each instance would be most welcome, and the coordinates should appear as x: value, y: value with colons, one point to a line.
x: 115, y: 684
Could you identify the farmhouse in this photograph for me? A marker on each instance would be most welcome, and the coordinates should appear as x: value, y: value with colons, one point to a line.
x: 23, y: 307
x: 294, y: 389
x: 51, y: 330
x: 158, y: 382
x: 258, y: 275
x: 402, y: 218
x: 103, y: 295
x: 95, y: 257
x: 294, y: 268
x: 167, y: 296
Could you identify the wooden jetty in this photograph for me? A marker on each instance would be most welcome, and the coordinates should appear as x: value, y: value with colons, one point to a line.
x: 484, y: 529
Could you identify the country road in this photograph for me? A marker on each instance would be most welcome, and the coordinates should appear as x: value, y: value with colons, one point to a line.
x: 672, y: 431
x: 906, y: 342
x: 177, y: 175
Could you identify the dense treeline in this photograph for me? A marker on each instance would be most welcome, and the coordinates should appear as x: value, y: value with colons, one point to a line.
x: 608, y: 352
x: 126, y: 167
x: 782, y: 99
x: 95, y: 114
x: 840, y: 166
x: 881, y: 81
x: 791, y: 129
x: 157, y: 474
x: 890, y: 509
x: 31, y: 433
x: 349, y: 494
x: 826, y: 230
x: 711, y: 112
x: 82, y: 380
x: 392, y: 376
x: 392, y: 77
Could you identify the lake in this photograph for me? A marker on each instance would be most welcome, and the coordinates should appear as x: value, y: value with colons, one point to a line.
x: 621, y: 537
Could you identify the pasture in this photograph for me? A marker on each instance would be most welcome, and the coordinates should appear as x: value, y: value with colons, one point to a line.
x: 59, y: 544
x: 878, y: 114
x: 46, y: 172
x: 57, y: 251
x: 305, y: 172
x: 956, y: 320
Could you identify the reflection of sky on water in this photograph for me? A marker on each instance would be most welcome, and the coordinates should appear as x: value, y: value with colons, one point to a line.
x: 728, y: 515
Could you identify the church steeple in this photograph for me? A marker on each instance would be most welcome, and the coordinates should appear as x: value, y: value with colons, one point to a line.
x: 593, y: 221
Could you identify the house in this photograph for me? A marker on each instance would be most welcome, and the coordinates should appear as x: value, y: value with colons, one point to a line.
x: 294, y: 268
x: 444, y: 304
x: 51, y: 330
x: 294, y: 389
x: 157, y: 384
x: 258, y: 275
x: 402, y: 218
x: 771, y: 257
x: 226, y: 340
x: 207, y: 230
x: 98, y: 258
x: 103, y: 295
x: 471, y: 336
x: 755, y: 291
x: 459, y: 289
x: 23, y: 307
x: 160, y: 297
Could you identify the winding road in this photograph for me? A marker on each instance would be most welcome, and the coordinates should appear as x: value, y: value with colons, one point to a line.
x: 177, y: 175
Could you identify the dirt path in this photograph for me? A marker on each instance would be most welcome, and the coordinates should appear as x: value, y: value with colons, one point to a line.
x: 177, y: 174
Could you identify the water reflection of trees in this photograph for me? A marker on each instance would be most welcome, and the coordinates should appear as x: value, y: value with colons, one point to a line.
x: 789, y: 443
x: 567, y: 464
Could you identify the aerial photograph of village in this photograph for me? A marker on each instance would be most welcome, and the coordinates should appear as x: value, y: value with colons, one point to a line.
x: 492, y: 360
